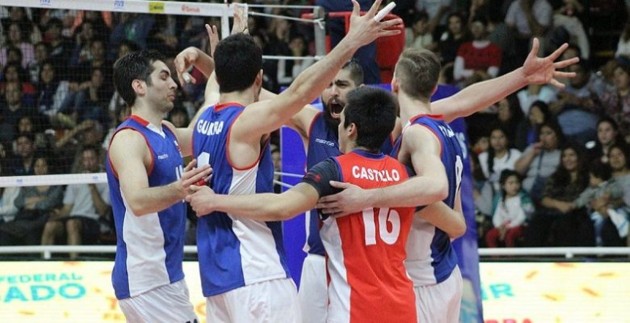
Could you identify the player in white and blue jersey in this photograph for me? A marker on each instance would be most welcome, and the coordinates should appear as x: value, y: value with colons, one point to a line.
x: 147, y: 187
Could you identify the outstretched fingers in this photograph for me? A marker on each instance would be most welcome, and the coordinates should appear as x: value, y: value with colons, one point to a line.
x: 553, y: 56
x: 566, y: 62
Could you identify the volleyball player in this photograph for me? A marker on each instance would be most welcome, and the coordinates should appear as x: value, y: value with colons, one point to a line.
x: 147, y: 188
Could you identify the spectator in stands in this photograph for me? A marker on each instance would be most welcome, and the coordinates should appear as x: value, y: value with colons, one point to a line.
x: 60, y: 46
x: 528, y: 19
x: 456, y: 34
x: 616, y: 100
x: 493, y: 162
x: 51, y: 91
x: 418, y: 35
x: 23, y: 17
x: 477, y: 60
x: 581, y: 92
x: 26, y: 125
x: 540, y: 159
x: 24, y: 160
x: 13, y: 72
x: 34, y: 203
x: 607, y: 135
x: 83, y: 207
x: 11, y: 110
x: 509, y: 116
x: 69, y: 148
x: 603, y: 200
x: 511, y: 208
x: 90, y: 101
x: 528, y: 129
x: 556, y: 221
x: 35, y: 67
x: 503, y: 36
x: 17, y: 37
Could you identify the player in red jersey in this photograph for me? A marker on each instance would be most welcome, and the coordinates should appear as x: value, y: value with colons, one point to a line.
x: 366, y: 250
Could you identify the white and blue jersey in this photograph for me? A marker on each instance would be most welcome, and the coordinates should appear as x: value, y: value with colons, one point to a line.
x: 234, y: 251
x: 150, y: 247
x: 430, y: 256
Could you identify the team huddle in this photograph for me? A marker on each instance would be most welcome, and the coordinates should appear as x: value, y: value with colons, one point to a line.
x: 384, y: 196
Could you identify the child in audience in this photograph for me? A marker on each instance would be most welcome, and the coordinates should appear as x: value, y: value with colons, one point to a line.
x: 511, y: 208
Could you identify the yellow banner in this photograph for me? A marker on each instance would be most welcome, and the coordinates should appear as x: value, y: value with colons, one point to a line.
x: 511, y: 292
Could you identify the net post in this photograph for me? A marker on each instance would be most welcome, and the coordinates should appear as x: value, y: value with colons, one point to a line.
x: 319, y: 30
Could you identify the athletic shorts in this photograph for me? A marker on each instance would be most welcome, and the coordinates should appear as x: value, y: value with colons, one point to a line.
x: 268, y: 301
x: 168, y: 303
x: 440, y: 303
x: 313, y: 292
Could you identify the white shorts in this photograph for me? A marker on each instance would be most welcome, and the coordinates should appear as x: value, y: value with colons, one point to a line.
x: 268, y: 301
x: 168, y: 303
x: 313, y: 292
x: 440, y: 303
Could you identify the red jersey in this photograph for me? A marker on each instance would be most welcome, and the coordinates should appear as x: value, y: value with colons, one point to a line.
x: 366, y: 250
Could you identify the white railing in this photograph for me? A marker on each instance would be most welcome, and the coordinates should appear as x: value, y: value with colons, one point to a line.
x: 566, y: 252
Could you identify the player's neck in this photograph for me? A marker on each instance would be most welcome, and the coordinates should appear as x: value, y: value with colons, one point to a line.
x: 410, y: 107
x: 153, y: 117
x: 244, y: 97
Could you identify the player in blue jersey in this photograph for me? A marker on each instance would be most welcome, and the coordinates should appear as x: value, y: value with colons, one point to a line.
x: 243, y: 271
x: 147, y: 186
x: 428, y: 145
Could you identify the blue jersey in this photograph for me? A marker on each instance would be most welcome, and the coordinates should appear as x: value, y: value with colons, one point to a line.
x: 430, y: 256
x: 150, y: 247
x: 323, y: 142
x: 234, y: 251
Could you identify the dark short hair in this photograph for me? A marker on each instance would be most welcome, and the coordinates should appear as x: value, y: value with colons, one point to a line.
x: 373, y: 111
x: 134, y: 66
x: 237, y: 61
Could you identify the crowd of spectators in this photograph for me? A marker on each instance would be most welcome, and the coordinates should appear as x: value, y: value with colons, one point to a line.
x: 551, y: 166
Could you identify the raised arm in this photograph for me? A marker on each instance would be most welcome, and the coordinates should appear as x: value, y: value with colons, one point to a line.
x: 260, y: 207
x: 535, y: 70
x: 265, y: 116
x: 130, y: 158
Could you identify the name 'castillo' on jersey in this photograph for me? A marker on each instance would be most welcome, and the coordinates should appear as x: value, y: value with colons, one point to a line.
x: 366, y: 250
x: 150, y: 247
x: 323, y: 142
x: 430, y: 256
x: 234, y: 252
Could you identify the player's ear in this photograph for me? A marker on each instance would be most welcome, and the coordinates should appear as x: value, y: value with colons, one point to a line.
x: 139, y: 87
x: 352, y: 131
x: 259, y: 78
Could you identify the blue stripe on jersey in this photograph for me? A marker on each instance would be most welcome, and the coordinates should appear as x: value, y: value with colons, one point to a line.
x: 150, y: 248
x: 443, y: 257
x: 323, y: 142
x: 234, y: 252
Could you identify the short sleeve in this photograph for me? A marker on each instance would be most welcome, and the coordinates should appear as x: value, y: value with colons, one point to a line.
x: 320, y: 175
